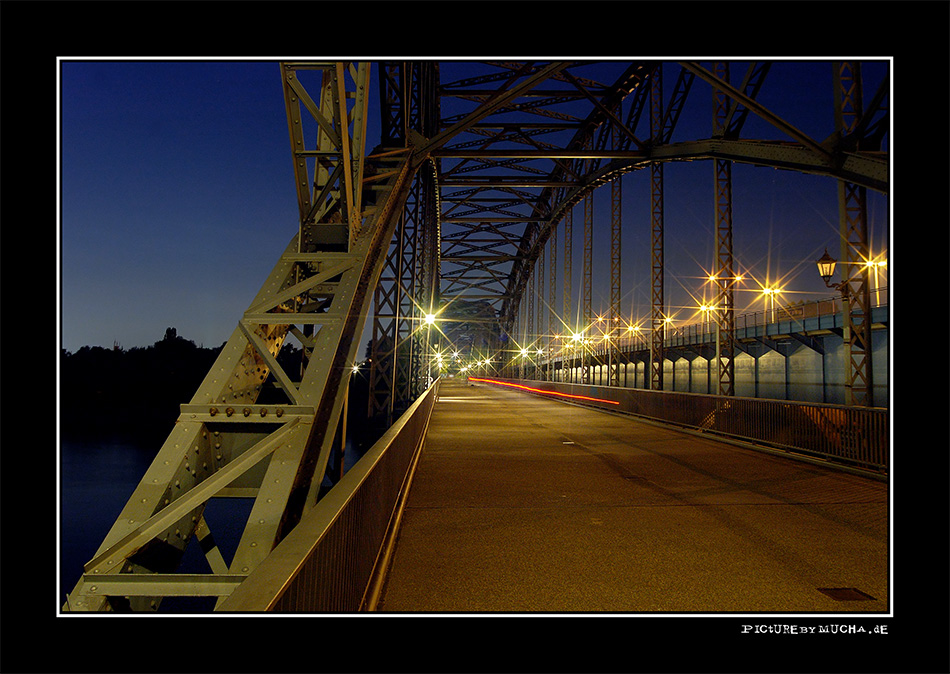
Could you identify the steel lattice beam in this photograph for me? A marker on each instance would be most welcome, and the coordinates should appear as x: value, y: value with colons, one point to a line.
x: 657, y: 267
x: 855, y: 254
x: 725, y: 268
x: 318, y: 292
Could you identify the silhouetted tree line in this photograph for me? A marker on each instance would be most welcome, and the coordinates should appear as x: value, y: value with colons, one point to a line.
x: 115, y: 392
x: 137, y: 393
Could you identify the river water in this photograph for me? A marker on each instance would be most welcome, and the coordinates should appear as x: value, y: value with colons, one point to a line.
x: 96, y: 480
x: 97, y: 477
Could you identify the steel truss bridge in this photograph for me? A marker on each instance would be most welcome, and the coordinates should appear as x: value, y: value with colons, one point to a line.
x: 456, y: 213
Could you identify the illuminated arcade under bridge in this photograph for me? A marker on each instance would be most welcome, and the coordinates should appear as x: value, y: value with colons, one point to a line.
x: 634, y: 273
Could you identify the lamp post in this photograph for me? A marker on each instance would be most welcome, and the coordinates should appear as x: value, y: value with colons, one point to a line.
x: 877, y: 268
x: 429, y: 321
x: 856, y: 336
x: 826, y: 268
x: 770, y: 293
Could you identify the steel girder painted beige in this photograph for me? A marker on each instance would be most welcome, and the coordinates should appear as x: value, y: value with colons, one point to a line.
x: 224, y: 442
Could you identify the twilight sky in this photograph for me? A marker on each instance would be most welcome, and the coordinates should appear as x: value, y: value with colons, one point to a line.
x: 177, y: 199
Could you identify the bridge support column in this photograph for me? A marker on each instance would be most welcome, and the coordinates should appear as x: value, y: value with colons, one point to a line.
x: 725, y: 273
x: 852, y: 208
x: 657, y: 319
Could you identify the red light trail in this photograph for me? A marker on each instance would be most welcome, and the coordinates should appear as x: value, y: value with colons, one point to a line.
x: 549, y: 393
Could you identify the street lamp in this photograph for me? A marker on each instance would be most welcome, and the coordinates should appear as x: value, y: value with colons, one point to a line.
x: 877, y: 268
x: 770, y: 293
x: 826, y: 268
x: 429, y: 321
x: 858, y: 370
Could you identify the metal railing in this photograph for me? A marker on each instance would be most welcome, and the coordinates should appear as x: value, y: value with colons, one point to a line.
x: 849, y: 435
x: 333, y: 560
x: 824, y: 314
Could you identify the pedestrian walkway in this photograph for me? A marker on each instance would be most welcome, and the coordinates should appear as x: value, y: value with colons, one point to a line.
x: 525, y: 504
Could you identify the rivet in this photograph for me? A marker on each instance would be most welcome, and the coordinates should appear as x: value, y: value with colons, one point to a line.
x: 229, y: 411
x: 263, y: 411
x: 247, y: 411
x: 213, y: 411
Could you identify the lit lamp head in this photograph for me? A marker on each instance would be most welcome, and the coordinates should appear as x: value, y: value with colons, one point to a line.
x: 826, y: 267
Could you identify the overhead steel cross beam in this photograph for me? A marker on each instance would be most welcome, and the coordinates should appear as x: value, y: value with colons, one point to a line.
x: 837, y: 159
x: 600, y: 136
x: 497, y: 100
x: 480, y: 246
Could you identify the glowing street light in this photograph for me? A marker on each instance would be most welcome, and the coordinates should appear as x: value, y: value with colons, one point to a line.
x: 826, y: 268
x: 877, y: 267
x: 860, y: 371
x: 770, y: 293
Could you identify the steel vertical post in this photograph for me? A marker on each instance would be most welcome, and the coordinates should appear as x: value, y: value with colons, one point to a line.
x: 587, y: 287
x: 656, y: 221
x: 725, y: 271
x: 541, y: 313
x: 613, y: 319
x: 568, y: 262
x: 852, y: 208
x: 552, y: 303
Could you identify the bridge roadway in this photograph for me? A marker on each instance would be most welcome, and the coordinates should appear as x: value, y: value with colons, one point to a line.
x: 524, y: 504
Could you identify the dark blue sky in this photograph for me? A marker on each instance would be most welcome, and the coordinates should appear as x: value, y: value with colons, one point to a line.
x: 177, y: 199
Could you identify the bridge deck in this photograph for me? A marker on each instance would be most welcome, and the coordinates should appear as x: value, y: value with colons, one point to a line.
x: 523, y: 504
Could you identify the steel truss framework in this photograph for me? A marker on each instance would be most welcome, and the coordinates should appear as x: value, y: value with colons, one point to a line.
x: 459, y: 205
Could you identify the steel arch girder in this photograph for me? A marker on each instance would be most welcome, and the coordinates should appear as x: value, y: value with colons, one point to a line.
x: 279, y: 452
x: 867, y: 169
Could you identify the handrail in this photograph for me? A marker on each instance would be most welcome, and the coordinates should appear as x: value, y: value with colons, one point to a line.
x: 333, y: 560
x: 820, y: 314
x: 857, y: 437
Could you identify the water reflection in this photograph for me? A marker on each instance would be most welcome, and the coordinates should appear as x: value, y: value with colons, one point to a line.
x: 96, y: 480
